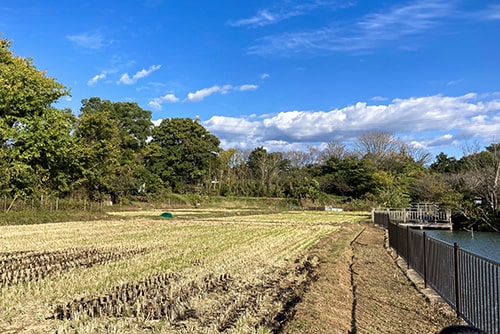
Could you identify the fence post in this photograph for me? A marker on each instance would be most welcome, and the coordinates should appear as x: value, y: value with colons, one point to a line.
x: 408, y: 247
x: 396, y: 235
x: 457, y: 280
x: 425, y: 262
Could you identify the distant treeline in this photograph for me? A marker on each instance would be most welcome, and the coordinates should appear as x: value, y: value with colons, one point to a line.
x: 111, y: 151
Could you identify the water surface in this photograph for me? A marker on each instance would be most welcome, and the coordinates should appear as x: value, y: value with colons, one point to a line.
x: 486, y: 244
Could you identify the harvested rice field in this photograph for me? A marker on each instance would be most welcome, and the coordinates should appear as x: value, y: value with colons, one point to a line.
x: 203, y: 271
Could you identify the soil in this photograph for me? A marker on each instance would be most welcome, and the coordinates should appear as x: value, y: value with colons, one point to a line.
x: 361, y: 289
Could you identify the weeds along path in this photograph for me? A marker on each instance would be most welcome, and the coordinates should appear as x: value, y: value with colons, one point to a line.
x: 385, y: 301
x: 237, y: 274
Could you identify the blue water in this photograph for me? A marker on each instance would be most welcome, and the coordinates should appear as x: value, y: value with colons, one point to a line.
x: 486, y: 244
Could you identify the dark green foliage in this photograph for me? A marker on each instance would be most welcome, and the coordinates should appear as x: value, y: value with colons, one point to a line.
x: 445, y: 164
x: 181, y: 152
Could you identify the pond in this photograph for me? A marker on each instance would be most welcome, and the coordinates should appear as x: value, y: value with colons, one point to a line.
x: 486, y: 244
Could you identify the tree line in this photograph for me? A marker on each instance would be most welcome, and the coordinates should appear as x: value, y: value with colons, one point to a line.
x: 112, y: 151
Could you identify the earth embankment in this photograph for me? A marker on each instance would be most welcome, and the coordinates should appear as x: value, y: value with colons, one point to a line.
x: 360, y: 289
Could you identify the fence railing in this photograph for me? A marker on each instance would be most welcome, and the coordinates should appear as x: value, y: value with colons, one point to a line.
x: 468, y: 282
x: 414, y: 215
x: 54, y: 203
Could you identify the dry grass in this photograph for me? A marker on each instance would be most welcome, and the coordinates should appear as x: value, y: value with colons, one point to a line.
x: 326, y: 307
x: 228, y: 270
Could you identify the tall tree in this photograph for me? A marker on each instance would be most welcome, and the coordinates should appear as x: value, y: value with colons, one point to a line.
x: 135, y: 128
x: 31, y: 131
x: 332, y: 149
x: 300, y: 159
x: 266, y: 169
x: 98, y: 136
x: 182, y: 152
x: 377, y: 145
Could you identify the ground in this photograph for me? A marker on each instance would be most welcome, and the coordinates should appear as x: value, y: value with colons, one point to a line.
x: 210, y: 272
x: 361, y: 289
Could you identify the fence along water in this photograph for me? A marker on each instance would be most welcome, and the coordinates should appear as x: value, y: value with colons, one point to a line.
x: 468, y: 282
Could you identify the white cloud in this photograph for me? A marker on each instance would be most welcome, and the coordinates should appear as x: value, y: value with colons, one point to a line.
x: 88, y: 40
x: 396, y: 23
x: 264, y: 76
x: 262, y: 18
x: 285, y: 10
x: 201, y: 94
x: 205, y: 92
x: 429, y: 121
x: 157, y: 103
x: 127, y: 80
x: 244, y: 88
x: 96, y: 78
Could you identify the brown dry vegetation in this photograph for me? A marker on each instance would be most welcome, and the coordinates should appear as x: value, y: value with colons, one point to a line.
x: 207, y: 272
x: 362, y: 290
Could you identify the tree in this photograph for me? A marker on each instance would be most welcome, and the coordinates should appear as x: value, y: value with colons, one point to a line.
x: 332, y: 149
x: 134, y: 123
x: 46, y: 148
x: 300, y: 159
x: 440, y: 188
x: 24, y: 90
x: 266, y: 169
x: 300, y: 187
x: 377, y: 145
x: 32, y: 133
x: 482, y: 179
x: 182, y: 151
x: 349, y: 177
x: 135, y: 128
x: 445, y: 164
x: 98, y: 136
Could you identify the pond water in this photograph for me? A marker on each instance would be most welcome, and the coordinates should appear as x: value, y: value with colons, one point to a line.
x: 486, y: 244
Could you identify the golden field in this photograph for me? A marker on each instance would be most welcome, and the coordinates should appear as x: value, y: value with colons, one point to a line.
x: 204, y: 271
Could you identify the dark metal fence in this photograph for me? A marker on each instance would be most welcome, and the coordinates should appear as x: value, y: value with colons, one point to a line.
x: 381, y: 218
x: 468, y: 282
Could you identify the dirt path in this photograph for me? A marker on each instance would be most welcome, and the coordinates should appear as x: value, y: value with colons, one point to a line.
x: 360, y: 289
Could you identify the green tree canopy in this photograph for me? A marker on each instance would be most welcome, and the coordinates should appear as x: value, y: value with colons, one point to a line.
x: 24, y: 90
x: 35, y: 141
x: 182, y: 151
x: 98, y: 136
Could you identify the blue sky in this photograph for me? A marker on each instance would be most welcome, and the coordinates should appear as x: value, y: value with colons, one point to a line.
x: 283, y: 74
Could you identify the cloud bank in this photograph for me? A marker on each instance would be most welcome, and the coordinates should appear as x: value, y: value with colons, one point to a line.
x: 428, y: 122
